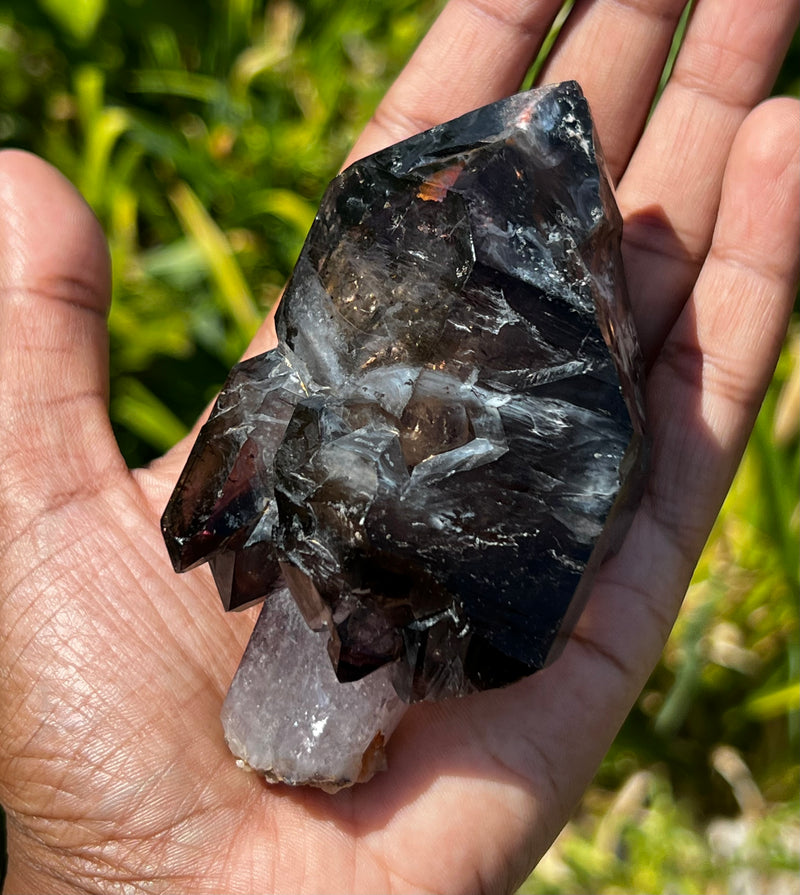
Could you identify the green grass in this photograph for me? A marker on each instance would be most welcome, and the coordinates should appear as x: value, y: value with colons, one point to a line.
x: 203, y: 135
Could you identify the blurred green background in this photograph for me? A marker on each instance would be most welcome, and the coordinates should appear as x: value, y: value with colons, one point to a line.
x: 203, y: 133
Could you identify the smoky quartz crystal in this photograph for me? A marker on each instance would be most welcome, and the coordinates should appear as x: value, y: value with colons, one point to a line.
x: 449, y: 437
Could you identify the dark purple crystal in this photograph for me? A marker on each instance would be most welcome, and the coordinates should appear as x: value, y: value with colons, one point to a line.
x: 449, y: 438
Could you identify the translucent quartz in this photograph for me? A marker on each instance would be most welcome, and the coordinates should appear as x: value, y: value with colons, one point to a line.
x: 444, y: 446
x: 288, y: 717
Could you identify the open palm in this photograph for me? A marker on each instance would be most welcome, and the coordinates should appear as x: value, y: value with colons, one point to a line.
x: 113, y: 766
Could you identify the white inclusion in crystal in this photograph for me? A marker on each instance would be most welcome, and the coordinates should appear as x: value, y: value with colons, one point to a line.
x: 318, y: 726
x: 287, y: 716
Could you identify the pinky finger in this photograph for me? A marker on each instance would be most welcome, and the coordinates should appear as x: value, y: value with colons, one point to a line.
x: 717, y: 360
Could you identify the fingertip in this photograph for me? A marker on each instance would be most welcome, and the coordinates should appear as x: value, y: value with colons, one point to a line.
x: 761, y: 191
x: 769, y: 137
x: 54, y: 298
x: 46, y: 226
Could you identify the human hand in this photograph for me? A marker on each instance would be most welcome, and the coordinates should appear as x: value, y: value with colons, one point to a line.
x: 112, y: 763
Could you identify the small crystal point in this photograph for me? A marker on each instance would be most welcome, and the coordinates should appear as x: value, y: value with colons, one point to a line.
x: 447, y: 441
x: 288, y: 717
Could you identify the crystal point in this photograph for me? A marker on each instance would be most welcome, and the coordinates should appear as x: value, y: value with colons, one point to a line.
x: 449, y: 438
x: 331, y: 738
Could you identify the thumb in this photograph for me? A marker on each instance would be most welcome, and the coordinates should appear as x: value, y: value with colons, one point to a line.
x: 57, y: 442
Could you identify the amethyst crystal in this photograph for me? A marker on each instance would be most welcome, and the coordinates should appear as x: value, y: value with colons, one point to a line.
x: 449, y: 437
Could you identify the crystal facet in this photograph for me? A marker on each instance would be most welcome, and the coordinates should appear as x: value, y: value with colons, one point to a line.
x: 449, y: 437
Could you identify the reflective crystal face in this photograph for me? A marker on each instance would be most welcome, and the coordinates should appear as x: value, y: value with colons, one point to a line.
x: 448, y: 439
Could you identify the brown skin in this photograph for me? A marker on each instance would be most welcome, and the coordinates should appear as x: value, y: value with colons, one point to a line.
x: 112, y: 764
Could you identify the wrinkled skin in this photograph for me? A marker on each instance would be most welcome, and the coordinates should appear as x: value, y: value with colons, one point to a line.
x: 112, y: 764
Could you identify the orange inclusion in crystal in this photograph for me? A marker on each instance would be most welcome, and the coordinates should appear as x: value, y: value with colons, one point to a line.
x: 435, y: 189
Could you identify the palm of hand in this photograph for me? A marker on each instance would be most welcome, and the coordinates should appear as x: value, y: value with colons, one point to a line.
x: 112, y: 763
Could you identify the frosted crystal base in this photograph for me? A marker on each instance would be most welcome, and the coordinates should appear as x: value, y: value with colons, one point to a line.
x: 288, y: 717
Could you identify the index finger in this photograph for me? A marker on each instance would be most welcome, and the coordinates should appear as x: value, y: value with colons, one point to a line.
x: 476, y: 52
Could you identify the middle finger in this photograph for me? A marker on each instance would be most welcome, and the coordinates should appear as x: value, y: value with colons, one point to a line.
x: 616, y: 50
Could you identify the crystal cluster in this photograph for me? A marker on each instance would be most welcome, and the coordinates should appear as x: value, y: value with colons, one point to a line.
x: 448, y: 438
